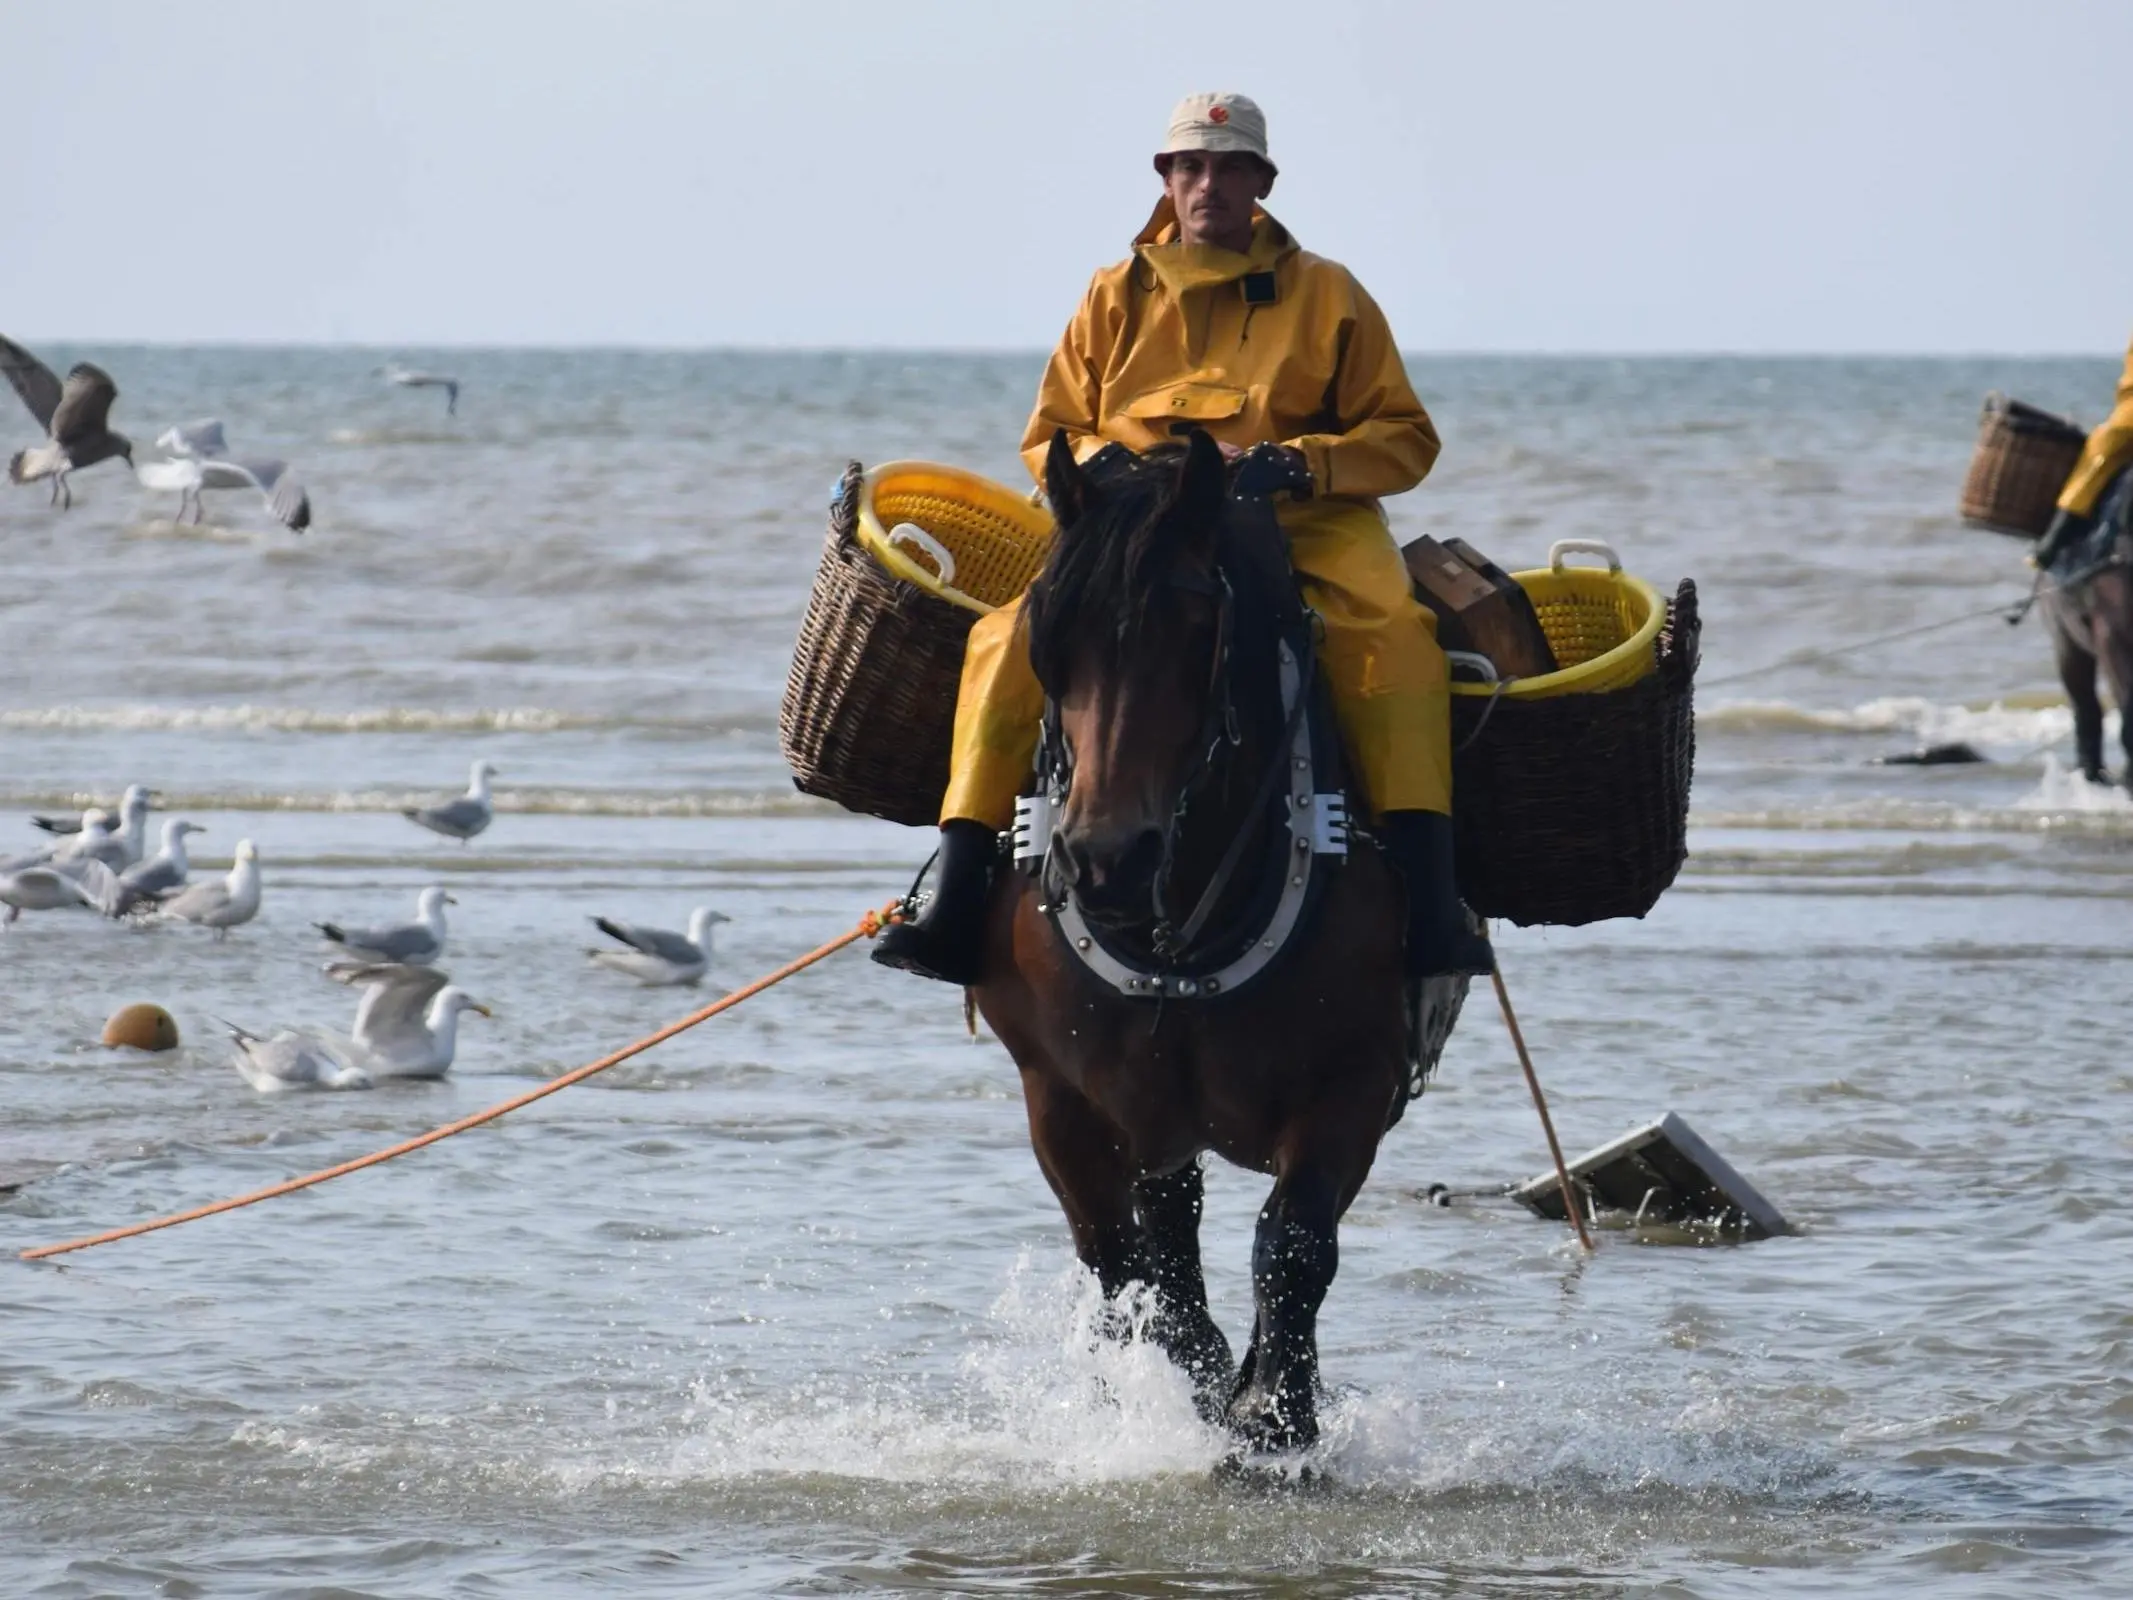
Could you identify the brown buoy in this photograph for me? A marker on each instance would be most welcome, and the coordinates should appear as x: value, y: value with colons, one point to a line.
x: 142, y: 1027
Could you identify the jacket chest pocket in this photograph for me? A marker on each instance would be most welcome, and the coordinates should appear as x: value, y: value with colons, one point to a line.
x: 1175, y: 407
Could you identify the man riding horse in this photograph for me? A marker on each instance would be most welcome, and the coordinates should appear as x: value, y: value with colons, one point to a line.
x: 1220, y: 322
x: 2088, y: 604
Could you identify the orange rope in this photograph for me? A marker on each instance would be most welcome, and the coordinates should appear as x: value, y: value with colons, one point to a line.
x: 869, y: 925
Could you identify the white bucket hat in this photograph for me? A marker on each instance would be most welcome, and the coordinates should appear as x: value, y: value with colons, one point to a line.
x: 1217, y: 122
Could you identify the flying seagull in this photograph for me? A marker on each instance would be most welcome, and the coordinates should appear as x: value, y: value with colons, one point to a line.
x: 291, y: 1059
x: 657, y: 957
x: 73, y: 416
x: 414, y: 944
x: 464, y: 817
x: 407, y: 1024
x: 409, y: 378
x: 199, y: 460
x: 224, y: 903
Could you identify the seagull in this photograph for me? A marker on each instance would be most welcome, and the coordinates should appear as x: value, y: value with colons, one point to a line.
x: 464, y: 817
x: 98, y: 839
x: 73, y: 416
x: 657, y: 957
x: 133, y: 811
x: 414, y: 944
x: 225, y: 903
x: 200, y: 459
x: 38, y: 888
x: 409, y: 378
x: 160, y: 876
x: 407, y: 1023
x: 291, y: 1060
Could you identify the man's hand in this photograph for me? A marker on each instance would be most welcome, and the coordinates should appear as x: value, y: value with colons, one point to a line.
x: 1268, y: 469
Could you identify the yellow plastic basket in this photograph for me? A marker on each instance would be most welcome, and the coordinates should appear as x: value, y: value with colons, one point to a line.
x: 973, y: 542
x: 1601, y: 625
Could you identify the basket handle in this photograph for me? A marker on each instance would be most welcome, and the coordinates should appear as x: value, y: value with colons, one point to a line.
x: 1473, y: 661
x: 1583, y: 547
x: 912, y: 534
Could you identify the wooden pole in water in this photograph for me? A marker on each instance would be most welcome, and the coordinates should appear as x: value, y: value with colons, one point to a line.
x: 1540, y: 1104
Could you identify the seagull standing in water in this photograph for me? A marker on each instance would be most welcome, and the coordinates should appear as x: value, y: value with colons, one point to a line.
x: 414, y: 944
x: 96, y: 840
x: 407, y: 1023
x: 160, y: 876
x: 133, y: 811
x: 464, y: 817
x: 74, y: 416
x: 225, y: 903
x: 200, y: 460
x: 409, y: 378
x: 656, y: 957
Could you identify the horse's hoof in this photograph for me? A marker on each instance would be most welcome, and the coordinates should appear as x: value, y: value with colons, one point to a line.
x: 1269, y: 1473
x: 1263, y: 1426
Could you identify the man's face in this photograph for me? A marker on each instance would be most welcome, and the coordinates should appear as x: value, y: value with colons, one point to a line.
x: 1213, y: 192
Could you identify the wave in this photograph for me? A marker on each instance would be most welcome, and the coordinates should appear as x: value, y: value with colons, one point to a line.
x: 380, y: 719
x: 515, y: 801
x: 2016, y: 721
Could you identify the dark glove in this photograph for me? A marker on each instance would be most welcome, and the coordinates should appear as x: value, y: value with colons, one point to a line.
x: 1266, y: 470
x: 2068, y: 528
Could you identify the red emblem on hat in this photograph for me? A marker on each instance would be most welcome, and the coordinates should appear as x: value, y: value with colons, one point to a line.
x: 1218, y: 114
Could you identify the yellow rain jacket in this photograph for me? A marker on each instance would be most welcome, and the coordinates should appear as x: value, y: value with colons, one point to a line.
x: 2109, y: 448
x: 1273, y: 345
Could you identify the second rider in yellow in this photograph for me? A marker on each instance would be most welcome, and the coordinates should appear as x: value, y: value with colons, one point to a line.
x: 1220, y: 321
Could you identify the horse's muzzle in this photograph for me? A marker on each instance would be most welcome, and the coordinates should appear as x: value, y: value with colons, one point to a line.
x: 1113, y: 879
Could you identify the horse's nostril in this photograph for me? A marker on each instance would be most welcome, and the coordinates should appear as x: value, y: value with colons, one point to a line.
x: 1113, y: 872
x: 1137, y: 867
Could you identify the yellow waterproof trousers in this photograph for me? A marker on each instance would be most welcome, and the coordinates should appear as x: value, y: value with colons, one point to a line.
x: 1379, y: 654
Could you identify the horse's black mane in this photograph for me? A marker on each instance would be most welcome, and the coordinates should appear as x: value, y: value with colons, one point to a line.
x: 1108, y: 579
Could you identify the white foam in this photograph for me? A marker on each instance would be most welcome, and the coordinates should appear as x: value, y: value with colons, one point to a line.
x: 2003, y: 730
x: 1045, y: 1401
x: 302, y: 719
x: 2064, y: 791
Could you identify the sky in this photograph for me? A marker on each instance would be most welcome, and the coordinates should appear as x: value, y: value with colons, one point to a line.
x: 1939, y: 176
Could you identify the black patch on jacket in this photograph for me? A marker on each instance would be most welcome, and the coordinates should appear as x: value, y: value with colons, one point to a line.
x: 1260, y: 288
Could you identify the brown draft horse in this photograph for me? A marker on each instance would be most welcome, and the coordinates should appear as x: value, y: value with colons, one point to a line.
x: 1154, y: 631
x: 2090, y: 620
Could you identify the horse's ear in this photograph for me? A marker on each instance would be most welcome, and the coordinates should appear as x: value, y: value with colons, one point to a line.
x: 1064, y: 485
x: 1203, y: 483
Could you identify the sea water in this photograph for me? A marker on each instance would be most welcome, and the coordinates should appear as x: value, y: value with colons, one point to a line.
x: 784, y: 1306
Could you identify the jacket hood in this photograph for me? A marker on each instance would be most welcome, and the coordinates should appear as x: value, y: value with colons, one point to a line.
x: 1199, y: 266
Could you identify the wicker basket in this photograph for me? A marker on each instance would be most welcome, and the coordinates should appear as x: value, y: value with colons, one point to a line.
x: 869, y: 709
x: 1571, y: 805
x: 2023, y: 459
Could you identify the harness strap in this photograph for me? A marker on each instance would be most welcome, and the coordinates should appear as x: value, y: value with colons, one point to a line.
x: 1181, y: 941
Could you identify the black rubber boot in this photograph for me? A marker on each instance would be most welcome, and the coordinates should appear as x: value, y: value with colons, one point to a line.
x: 2067, y: 529
x: 947, y: 940
x: 1440, y: 936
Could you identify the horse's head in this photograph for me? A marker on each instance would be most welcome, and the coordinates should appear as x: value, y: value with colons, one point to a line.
x: 1133, y: 627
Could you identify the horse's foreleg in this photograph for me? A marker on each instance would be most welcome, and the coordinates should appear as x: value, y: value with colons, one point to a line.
x: 1086, y: 1163
x: 1169, y: 1208
x: 2077, y: 675
x: 1295, y: 1253
x: 2114, y: 649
